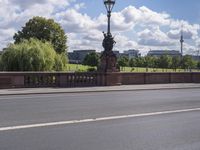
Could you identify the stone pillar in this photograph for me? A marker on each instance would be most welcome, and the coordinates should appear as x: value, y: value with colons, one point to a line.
x: 108, y: 62
x: 112, y: 79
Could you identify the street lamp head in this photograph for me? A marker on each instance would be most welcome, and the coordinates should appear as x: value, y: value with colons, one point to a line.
x: 109, y: 4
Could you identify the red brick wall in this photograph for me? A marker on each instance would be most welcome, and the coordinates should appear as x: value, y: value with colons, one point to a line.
x: 159, y: 78
x: 196, y: 77
x: 156, y: 78
x: 132, y: 78
x: 182, y: 77
x: 17, y: 79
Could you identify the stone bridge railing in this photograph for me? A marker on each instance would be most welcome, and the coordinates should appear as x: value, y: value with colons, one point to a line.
x: 60, y: 79
x: 47, y: 79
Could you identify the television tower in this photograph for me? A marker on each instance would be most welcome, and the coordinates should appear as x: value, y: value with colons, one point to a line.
x: 198, y: 51
x: 182, y: 41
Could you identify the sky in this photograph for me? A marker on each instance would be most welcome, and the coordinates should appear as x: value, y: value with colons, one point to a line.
x: 135, y: 24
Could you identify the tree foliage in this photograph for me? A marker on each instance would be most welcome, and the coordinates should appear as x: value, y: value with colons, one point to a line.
x: 1, y: 66
x: 164, y: 61
x: 60, y: 62
x: 140, y: 61
x: 132, y: 62
x: 150, y: 62
x: 91, y: 59
x: 198, y: 64
x: 187, y: 62
x: 30, y: 55
x: 176, y: 62
x: 44, y: 30
x: 123, y: 61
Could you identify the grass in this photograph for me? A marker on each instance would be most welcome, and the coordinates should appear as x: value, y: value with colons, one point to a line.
x: 139, y: 69
x: 82, y: 68
x: 76, y: 68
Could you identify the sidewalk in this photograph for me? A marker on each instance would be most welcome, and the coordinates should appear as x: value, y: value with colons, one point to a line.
x: 27, y: 91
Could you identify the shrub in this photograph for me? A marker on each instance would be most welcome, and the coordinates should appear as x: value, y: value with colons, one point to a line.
x: 58, y: 65
x: 30, y: 55
x: 91, y: 69
x: 91, y: 59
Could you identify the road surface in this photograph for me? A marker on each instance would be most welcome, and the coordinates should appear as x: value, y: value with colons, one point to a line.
x: 137, y: 120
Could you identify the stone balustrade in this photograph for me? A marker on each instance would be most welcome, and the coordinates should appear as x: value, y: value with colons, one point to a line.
x: 61, y: 79
x: 47, y: 79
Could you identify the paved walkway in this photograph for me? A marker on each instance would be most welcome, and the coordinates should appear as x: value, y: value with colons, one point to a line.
x: 25, y: 91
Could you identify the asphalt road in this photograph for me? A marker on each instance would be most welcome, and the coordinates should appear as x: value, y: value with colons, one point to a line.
x: 175, y: 130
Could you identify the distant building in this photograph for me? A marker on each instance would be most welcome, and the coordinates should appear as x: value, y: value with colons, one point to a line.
x: 77, y: 56
x: 128, y: 53
x: 197, y: 58
x: 158, y: 53
x: 123, y: 55
x: 117, y: 53
x: 132, y: 53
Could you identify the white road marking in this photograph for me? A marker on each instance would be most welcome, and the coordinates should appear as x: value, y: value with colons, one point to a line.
x: 95, y: 120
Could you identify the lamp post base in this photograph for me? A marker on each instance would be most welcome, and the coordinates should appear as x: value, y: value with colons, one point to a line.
x: 108, y: 62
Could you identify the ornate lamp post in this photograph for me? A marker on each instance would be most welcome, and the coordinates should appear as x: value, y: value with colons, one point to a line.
x: 108, y: 58
x: 109, y: 4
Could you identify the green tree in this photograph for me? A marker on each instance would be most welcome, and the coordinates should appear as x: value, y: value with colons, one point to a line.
x: 60, y: 62
x: 140, y: 62
x: 123, y: 61
x: 187, y: 62
x: 91, y: 59
x: 150, y: 62
x: 44, y: 30
x: 1, y: 67
x: 132, y: 62
x: 164, y: 61
x: 30, y: 55
x: 198, y: 64
x: 175, y: 62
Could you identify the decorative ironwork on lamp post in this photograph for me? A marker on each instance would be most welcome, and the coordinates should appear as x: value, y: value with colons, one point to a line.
x: 109, y: 4
x: 108, y: 41
x: 108, y: 58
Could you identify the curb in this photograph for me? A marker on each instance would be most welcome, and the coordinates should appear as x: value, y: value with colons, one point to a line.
x: 100, y: 91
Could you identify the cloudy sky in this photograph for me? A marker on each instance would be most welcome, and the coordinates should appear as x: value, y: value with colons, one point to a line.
x: 136, y: 24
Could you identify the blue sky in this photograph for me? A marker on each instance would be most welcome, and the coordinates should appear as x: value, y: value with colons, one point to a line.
x: 179, y: 9
x: 136, y: 24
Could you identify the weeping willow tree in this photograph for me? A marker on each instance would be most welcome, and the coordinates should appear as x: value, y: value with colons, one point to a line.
x: 31, y: 55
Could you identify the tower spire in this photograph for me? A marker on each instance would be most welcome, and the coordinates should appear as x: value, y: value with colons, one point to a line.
x: 181, y: 40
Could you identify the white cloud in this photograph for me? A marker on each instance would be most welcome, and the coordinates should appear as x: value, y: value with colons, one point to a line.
x: 154, y: 37
x: 75, y: 22
x: 145, y: 16
x: 151, y: 29
x: 189, y: 49
x: 79, y: 6
x: 187, y: 34
x: 25, y: 4
x: 124, y: 43
x: 175, y: 34
x: 190, y: 31
x: 6, y: 36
